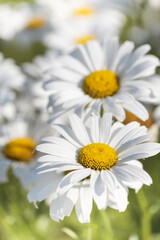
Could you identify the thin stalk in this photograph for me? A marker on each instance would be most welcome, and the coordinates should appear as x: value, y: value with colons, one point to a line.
x: 89, y: 233
x: 109, y: 230
x: 146, y: 232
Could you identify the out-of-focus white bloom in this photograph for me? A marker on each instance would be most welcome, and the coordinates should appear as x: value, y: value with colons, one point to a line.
x: 154, y: 4
x: 78, y: 31
x: 97, y: 163
x: 36, y: 24
x: 18, y: 140
x: 11, y: 82
x: 24, y: 23
x: 104, y: 76
x: 146, y: 29
x: 63, y: 10
x: 11, y: 21
x: 11, y: 76
x: 133, y: 237
x: 35, y: 72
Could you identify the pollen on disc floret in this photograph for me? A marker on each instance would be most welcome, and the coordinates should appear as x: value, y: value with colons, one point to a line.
x: 101, y: 84
x: 97, y: 156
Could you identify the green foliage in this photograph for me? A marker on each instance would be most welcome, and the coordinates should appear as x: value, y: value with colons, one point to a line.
x: 15, y: 1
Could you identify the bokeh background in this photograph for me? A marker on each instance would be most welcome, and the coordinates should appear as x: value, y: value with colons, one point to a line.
x: 20, y: 220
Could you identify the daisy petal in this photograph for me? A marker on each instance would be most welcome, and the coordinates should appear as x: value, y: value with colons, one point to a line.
x: 105, y: 127
x: 67, y: 133
x: 83, y: 57
x: 123, y: 133
x: 121, y: 197
x: 114, y: 108
x: 73, y: 64
x: 108, y: 179
x: 83, y: 210
x: 95, y: 53
x: 146, y: 149
x: 71, y: 179
x: 54, y: 149
x: 99, y: 190
x: 45, y: 187
x: 133, y: 106
x: 123, y: 53
x: 79, y: 129
x: 94, y: 128
x: 133, y: 142
x: 63, y: 206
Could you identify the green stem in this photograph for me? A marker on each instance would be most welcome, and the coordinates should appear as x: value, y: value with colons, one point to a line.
x: 89, y: 233
x: 146, y: 232
x: 5, y: 225
x: 109, y: 230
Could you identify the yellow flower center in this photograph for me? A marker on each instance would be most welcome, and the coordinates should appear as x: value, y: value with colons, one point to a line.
x: 36, y: 22
x: 83, y: 40
x: 97, y: 156
x: 101, y: 84
x: 130, y: 117
x: 84, y: 11
x: 20, y: 149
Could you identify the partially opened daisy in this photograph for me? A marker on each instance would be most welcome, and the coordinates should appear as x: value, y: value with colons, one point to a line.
x: 103, y: 77
x: 97, y: 163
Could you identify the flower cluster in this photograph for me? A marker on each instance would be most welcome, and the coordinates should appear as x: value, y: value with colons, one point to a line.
x: 77, y: 122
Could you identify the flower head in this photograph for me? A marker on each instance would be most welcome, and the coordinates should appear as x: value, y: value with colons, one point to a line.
x: 18, y: 140
x: 106, y: 77
x: 94, y: 162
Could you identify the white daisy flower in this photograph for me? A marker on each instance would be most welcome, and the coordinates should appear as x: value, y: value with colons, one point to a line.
x: 97, y: 163
x: 36, y: 24
x: 105, y: 22
x: 106, y: 77
x: 18, y: 140
x: 63, y: 10
x: 11, y: 76
x: 11, y: 82
x: 35, y: 78
x: 11, y: 21
x: 29, y: 23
